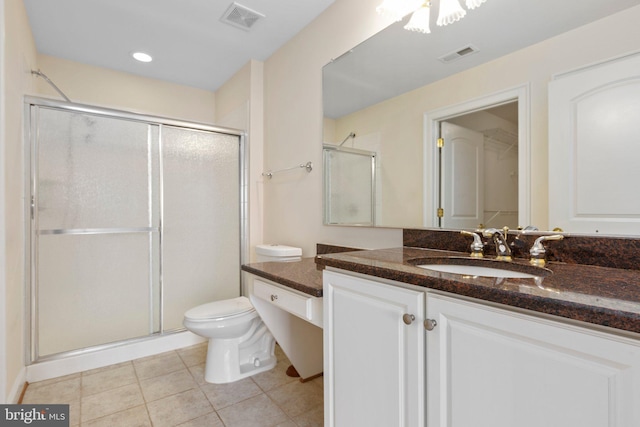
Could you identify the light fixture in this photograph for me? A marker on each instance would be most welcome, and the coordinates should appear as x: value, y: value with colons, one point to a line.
x: 450, y: 11
x: 472, y: 4
x: 398, y: 9
x: 142, y: 57
x: 420, y: 20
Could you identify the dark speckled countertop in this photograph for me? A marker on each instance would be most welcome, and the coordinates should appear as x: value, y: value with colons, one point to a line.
x: 301, y: 275
x: 594, y: 294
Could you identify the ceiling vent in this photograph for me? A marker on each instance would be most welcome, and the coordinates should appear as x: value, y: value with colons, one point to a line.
x: 454, y: 56
x: 241, y: 17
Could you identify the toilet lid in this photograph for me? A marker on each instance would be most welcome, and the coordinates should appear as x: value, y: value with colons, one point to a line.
x: 218, y: 309
x: 278, y: 250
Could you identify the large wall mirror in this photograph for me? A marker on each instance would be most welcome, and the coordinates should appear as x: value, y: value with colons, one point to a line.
x: 392, y: 96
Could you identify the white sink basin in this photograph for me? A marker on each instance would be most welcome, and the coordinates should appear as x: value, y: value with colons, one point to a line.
x: 476, y: 270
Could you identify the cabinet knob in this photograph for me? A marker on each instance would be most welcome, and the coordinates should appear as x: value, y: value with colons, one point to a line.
x: 429, y: 324
x: 408, y: 318
x: 274, y: 297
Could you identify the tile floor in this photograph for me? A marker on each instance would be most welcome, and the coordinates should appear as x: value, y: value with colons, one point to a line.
x: 169, y: 390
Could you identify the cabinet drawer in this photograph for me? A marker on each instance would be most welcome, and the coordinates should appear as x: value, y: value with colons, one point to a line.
x: 290, y: 301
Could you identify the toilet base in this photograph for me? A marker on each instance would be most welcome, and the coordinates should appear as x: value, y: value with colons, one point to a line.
x: 231, y: 360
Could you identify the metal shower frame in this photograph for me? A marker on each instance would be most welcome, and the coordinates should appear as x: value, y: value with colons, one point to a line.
x: 30, y: 192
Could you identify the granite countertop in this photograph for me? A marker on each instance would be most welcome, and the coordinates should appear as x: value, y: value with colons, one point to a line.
x: 598, y: 295
x: 302, y: 275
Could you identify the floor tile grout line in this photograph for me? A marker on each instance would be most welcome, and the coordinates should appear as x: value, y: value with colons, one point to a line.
x: 108, y: 391
x: 188, y: 361
x: 82, y: 379
x: 197, y: 386
x: 144, y: 399
x: 219, y: 409
x: 136, y: 382
x: 290, y: 418
x: 113, y: 413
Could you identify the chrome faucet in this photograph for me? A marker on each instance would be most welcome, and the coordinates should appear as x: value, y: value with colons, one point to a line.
x: 503, y: 252
x: 477, y: 247
x: 538, y: 251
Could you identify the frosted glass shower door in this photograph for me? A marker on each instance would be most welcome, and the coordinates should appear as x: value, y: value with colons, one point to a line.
x: 135, y: 220
x: 349, y: 186
x: 96, y: 256
x: 200, y: 220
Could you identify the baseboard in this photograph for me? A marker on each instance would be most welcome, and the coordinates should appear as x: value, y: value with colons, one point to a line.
x: 121, y: 353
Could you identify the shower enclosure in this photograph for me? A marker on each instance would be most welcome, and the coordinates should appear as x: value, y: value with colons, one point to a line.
x: 349, y: 186
x: 134, y: 220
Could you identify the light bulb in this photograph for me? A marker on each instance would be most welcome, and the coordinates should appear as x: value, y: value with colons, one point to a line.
x: 419, y: 20
x: 450, y: 12
x: 142, y: 57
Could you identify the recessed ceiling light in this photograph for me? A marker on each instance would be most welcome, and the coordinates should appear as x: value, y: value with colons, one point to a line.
x: 142, y: 57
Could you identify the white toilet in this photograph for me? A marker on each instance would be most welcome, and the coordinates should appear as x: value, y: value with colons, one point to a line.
x: 240, y: 345
x: 279, y: 253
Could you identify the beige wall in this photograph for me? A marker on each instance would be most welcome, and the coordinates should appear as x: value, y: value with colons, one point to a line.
x: 293, y: 206
x: 87, y: 84
x: 18, y: 58
x: 401, y: 157
x: 240, y: 105
x: 83, y: 84
x: 293, y: 130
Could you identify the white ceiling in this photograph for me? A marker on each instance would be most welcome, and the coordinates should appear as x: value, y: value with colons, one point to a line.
x: 395, y: 60
x: 191, y: 46
x: 189, y: 43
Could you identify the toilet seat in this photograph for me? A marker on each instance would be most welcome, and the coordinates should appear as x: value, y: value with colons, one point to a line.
x: 220, y: 310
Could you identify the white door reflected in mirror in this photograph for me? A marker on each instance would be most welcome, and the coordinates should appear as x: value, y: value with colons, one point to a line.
x: 594, y: 148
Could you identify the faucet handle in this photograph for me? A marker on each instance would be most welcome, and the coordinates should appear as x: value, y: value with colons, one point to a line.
x: 538, y: 251
x: 477, y: 247
x: 489, y: 232
x: 503, y: 252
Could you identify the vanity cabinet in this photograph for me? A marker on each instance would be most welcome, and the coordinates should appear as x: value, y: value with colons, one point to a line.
x: 492, y: 367
x: 481, y: 366
x: 373, y: 353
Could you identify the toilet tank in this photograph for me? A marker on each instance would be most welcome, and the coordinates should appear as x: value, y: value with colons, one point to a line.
x: 266, y: 253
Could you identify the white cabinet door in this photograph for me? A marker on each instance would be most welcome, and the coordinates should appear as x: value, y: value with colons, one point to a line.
x: 488, y: 367
x: 594, y: 148
x: 463, y: 177
x: 374, y: 362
